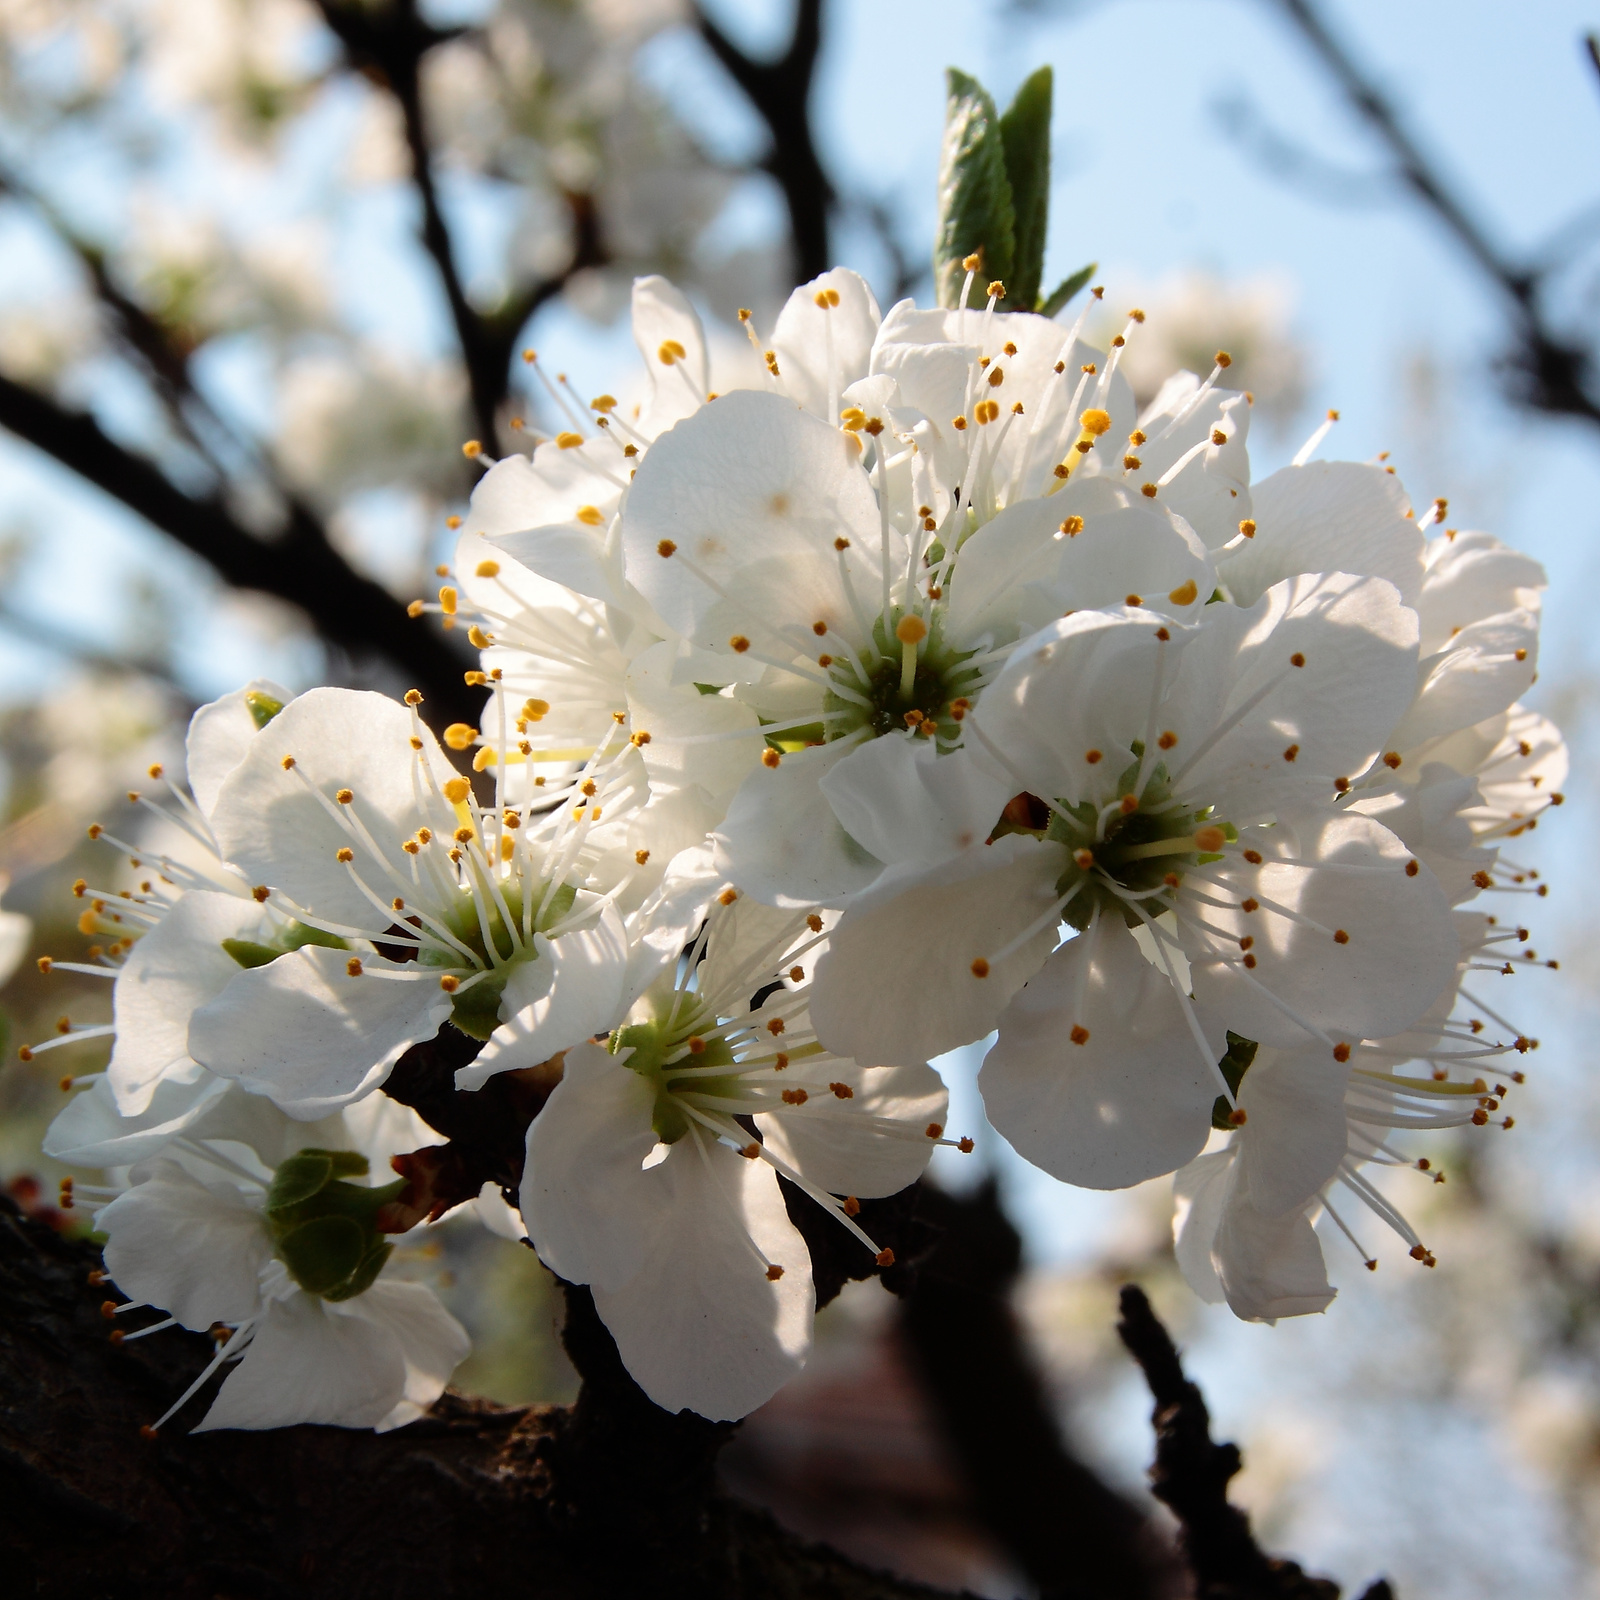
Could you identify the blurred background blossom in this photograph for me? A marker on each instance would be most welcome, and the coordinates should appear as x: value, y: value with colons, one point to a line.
x: 266, y: 264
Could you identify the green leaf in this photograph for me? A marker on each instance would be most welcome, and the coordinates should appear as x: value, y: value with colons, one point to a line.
x: 1068, y: 287
x: 1025, y: 138
x: 976, y: 216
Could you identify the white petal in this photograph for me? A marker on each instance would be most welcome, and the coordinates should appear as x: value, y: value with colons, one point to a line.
x: 219, y: 735
x: 1212, y: 492
x: 831, y: 1143
x: 589, y: 1206
x: 572, y: 991
x: 1295, y: 1138
x: 1200, y: 1192
x: 1486, y: 667
x: 190, y: 1249
x: 753, y: 492
x: 310, y: 1036
x: 823, y: 350
x: 1429, y: 815
x: 701, y: 1326
x: 693, y: 736
x: 91, y: 1132
x: 781, y: 840
x: 1270, y: 1267
x: 432, y: 1343
x: 1472, y: 576
x: 278, y: 833
x: 1133, y: 1100
x: 176, y: 967
x: 901, y: 800
x: 16, y: 934
x: 661, y: 312
x: 308, y: 1364
x: 1327, y: 516
x: 897, y: 984
x: 1400, y: 951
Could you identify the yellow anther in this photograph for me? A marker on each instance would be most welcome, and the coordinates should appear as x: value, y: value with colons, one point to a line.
x: 1224, y: 359
x: 568, y: 441
x: 590, y: 516
x: 1248, y: 528
x: 459, y: 735
x: 996, y: 290
x: 603, y: 403
x: 488, y: 569
x: 671, y: 351
x: 911, y: 630
x: 826, y: 298
x: 533, y: 710
x: 484, y: 759
x: 455, y: 791
x: 345, y: 854
x: 472, y: 449
x: 479, y: 638
x: 447, y: 601
x: 1095, y: 421
x: 1184, y: 594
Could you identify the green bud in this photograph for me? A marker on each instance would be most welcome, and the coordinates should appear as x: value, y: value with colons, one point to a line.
x: 254, y: 953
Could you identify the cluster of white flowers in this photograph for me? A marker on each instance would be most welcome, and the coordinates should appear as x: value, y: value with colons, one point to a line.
x: 927, y: 693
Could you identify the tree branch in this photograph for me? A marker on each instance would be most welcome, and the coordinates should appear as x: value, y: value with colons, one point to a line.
x: 610, y: 1497
x: 301, y: 566
x: 388, y: 43
x: 780, y: 91
x: 1191, y: 1476
x: 1549, y: 372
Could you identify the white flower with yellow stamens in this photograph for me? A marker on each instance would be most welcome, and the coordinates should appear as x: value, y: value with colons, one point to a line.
x: 164, y: 948
x: 428, y: 906
x: 645, y: 1181
x: 1303, y: 1130
x: 1172, y: 787
x: 252, y: 1227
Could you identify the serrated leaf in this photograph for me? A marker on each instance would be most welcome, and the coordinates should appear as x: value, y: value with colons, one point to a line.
x: 975, y: 207
x: 1065, y: 290
x: 1025, y: 137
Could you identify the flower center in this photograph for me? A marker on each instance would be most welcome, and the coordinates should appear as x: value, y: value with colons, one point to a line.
x: 679, y: 1054
x: 324, y: 1230
x: 908, y: 676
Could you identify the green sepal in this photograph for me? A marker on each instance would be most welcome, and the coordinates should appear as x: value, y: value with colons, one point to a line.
x: 975, y: 206
x: 324, y: 1229
x: 366, y: 1273
x: 476, y: 1011
x: 1067, y: 288
x: 262, y: 707
x: 253, y: 953
x: 1025, y: 138
x: 1234, y: 1065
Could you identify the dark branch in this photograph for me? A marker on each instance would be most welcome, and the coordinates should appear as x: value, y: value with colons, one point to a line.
x: 388, y: 43
x: 300, y: 566
x: 611, y: 1497
x: 1548, y: 371
x: 1054, y: 1517
x: 780, y: 91
x: 1191, y: 1476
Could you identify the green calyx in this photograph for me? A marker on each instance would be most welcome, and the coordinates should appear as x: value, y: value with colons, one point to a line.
x: 1234, y: 1065
x: 658, y: 1050
x: 994, y: 196
x: 1142, y: 850
x: 476, y: 1010
x: 292, y: 936
x: 262, y: 707
x: 325, y: 1230
x: 941, y: 677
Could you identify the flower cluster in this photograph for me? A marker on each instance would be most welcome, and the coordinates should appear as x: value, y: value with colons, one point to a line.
x: 927, y: 691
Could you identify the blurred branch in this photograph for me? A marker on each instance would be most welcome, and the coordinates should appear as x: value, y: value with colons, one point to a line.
x: 1051, y: 1514
x: 1550, y: 372
x: 780, y: 91
x: 299, y: 566
x: 388, y: 43
x: 1191, y: 1476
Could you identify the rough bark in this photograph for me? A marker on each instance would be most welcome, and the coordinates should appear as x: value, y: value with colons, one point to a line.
x: 609, y: 1497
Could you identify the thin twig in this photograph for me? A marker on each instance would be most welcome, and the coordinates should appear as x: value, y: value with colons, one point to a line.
x: 1549, y: 371
x: 780, y: 91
